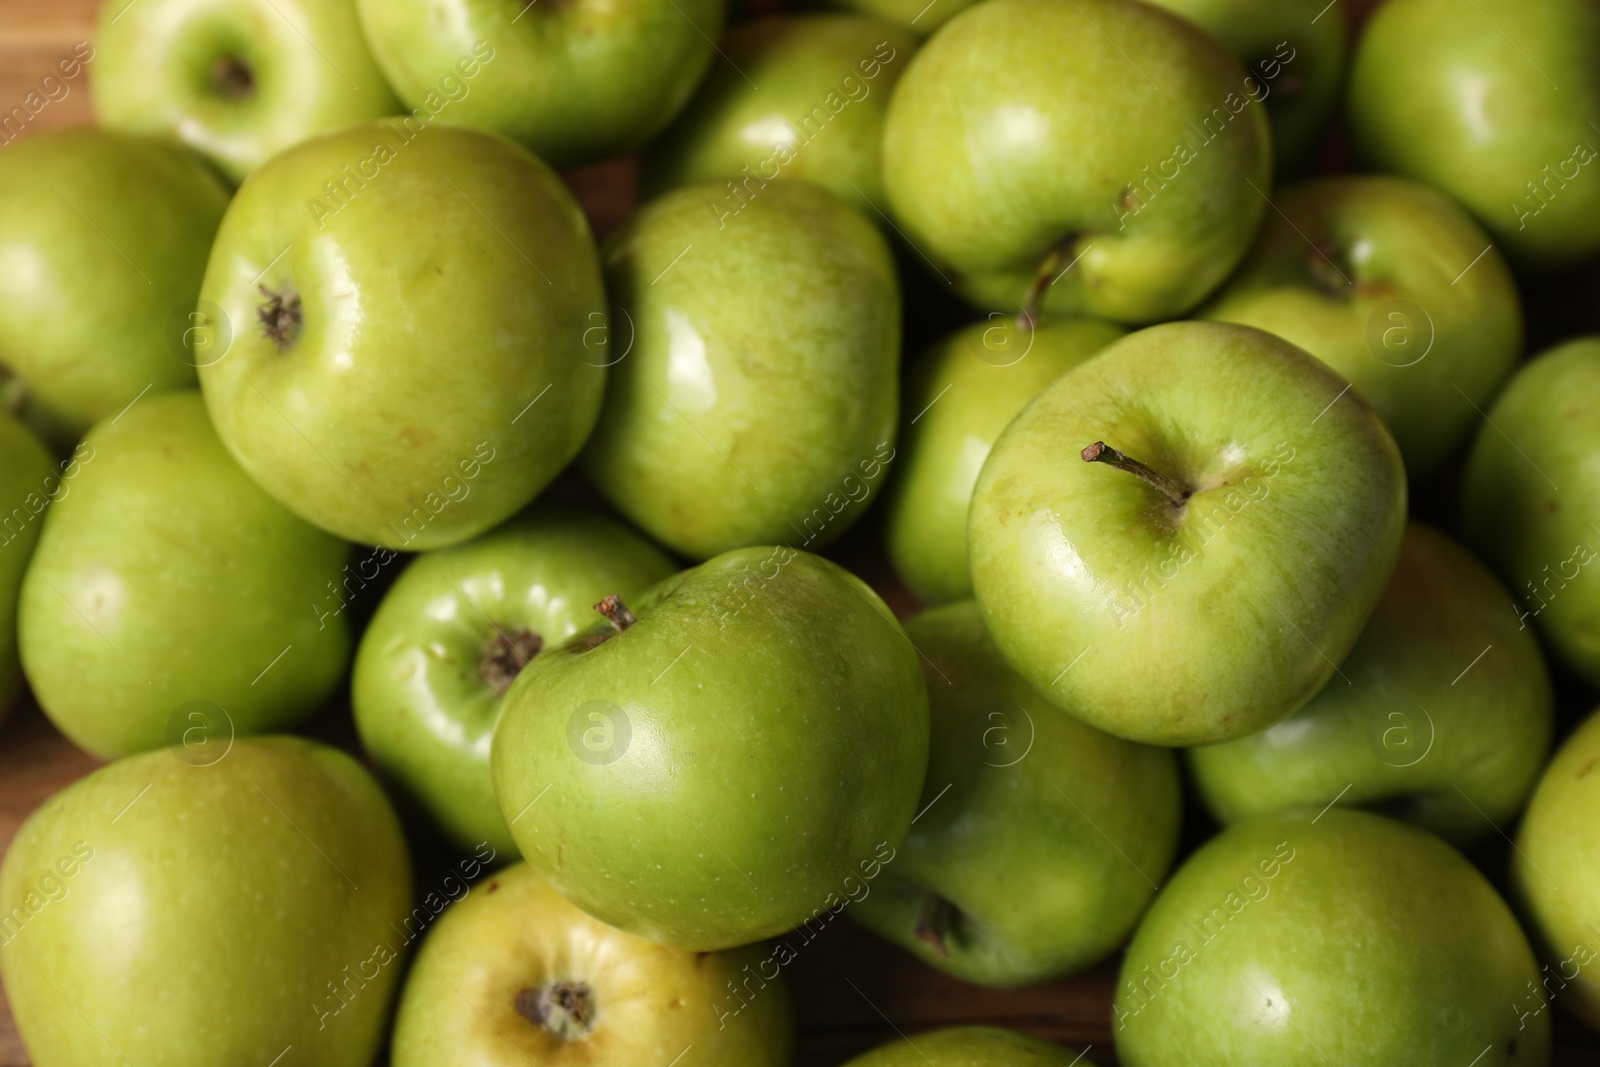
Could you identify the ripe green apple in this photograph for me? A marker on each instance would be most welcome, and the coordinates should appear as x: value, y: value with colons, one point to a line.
x: 1530, y: 499
x: 965, y: 390
x: 1295, y: 50
x: 1100, y: 157
x: 1300, y: 940
x: 514, y: 975
x: 1201, y: 577
x: 419, y: 335
x: 1555, y: 870
x: 784, y: 317
x: 456, y: 629
x: 26, y: 476
x: 103, y: 242
x: 921, y: 17
x: 1395, y: 287
x: 719, y: 767
x: 970, y: 1046
x: 164, y: 912
x: 1041, y: 839
x: 239, y: 80
x: 824, y: 85
x: 1442, y: 716
x: 574, y: 81
x: 167, y: 577
x: 1497, y: 104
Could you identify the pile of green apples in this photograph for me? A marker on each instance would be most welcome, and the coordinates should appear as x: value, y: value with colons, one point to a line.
x: 326, y: 413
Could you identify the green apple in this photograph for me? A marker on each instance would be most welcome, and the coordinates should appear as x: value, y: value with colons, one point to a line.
x: 28, y: 483
x: 921, y: 17
x: 970, y: 1046
x: 239, y: 80
x: 574, y: 81
x: 168, y: 585
x: 1296, y: 52
x: 103, y: 242
x: 1443, y: 715
x: 164, y: 912
x: 757, y: 399
x: 514, y: 975
x: 1498, y: 104
x: 1198, y: 572
x: 1555, y: 870
x: 1099, y: 157
x: 824, y: 85
x: 1395, y: 287
x: 711, y: 770
x: 419, y: 334
x: 1303, y: 939
x: 1530, y: 499
x: 455, y: 630
x: 965, y: 390
x: 1041, y: 839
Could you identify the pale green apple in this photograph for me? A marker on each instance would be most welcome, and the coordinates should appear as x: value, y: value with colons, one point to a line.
x: 1041, y: 839
x: 729, y: 765
x: 574, y: 81
x: 1440, y: 715
x: 1395, y: 287
x: 961, y: 393
x: 1098, y: 157
x: 1530, y: 499
x: 970, y: 1046
x: 1301, y: 940
x: 456, y: 629
x: 166, y: 578
x: 756, y: 392
x: 1204, y: 576
x: 1497, y: 103
x: 240, y: 80
x: 29, y: 481
x: 160, y: 912
x: 514, y: 975
x: 103, y: 242
x: 419, y: 332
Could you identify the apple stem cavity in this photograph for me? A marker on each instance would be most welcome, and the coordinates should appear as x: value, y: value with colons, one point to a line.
x: 505, y: 657
x: 232, y: 78
x: 933, y: 925
x: 281, y: 317
x: 565, y: 1008
x: 616, y: 612
x: 1100, y: 452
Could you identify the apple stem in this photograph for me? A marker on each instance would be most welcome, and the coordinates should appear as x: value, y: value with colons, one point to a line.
x: 934, y: 923
x: 1100, y: 452
x: 565, y: 1008
x: 232, y: 77
x: 505, y: 657
x: 616, y: 612
x: 1044, y: 279
x: 281, y: 317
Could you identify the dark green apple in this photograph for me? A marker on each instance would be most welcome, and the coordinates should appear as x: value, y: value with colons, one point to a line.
x: 164, y: 912
x: 1440, y: 715
x: 1299, y: 939
x: 1395, y: 287
x: 1041, y: 839
x: 964, y: 391
x: 103, y: 242
x: 756, y: 394
x: 166, y: 578
x: 418, y: 332
x: 28, y: 483
x: 1098, y: 157
x: 710, y: 769
x: 456, y: 629
x: 514, y: 975
x: 970, y: 1046
x: 1202, y: 576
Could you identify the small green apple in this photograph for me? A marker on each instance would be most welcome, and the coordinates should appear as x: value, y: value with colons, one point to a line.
x: 514, y: 975
x: 103, y: 242
x: 26, y: 476
x: 575, y: 81
x: 1530, y: 499
x: 1203, y: 582
x: 1041, y: 839
x: 757, y: 399
x: 1300, y: 940
x: 709, y: 772
x: 970, y: 1046
x: 1098, y: 157
x: 1441, y: 714
x: 418, y: 331
x: 166, y: 577
x: 1498, y: 104
x: 239, y: 80
x: 965, y: 390
x: 1395, y: 287
x: 456, y: 629
x: 164, y: 912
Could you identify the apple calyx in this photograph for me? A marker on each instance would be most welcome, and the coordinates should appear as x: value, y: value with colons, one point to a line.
x: 616, y: 612
x: 565, y: 1008
x: 1100, y: 452
x: 505, y: 657
x: 933, y: 925
x: 232, y: 78
x: 281, y: 317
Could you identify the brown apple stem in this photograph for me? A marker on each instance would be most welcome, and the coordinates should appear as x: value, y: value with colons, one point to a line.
x: 612, y: 607
x: 232, y: 78
x: 1100, y: 452
x: 565, y: 1008
x: 281, y: 317
x: 1044, y: 279
x: 934, y: 923
x: 505, y: 657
